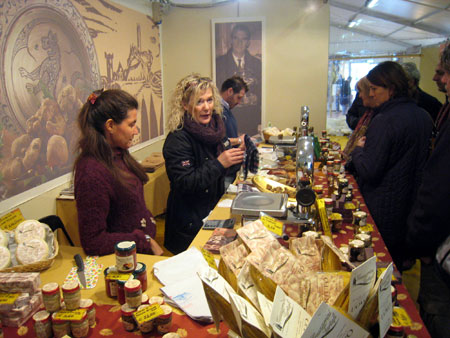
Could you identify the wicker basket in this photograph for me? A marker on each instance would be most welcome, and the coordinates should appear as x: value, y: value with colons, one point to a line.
x: 37, y: 266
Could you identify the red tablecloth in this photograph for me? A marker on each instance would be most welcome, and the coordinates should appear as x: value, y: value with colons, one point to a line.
x: 109, y: 323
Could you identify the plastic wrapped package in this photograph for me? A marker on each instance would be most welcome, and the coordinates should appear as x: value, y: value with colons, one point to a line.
x: 17, y: 317
x: 19, y: 282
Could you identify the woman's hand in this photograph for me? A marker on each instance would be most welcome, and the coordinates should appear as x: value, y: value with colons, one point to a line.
x: 361, y: 141
x: 231, y: 157
x: 156, y: 249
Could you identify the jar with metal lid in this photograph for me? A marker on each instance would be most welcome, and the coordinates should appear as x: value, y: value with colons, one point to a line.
x: 141, y: 274
x: 72, y: 295
x: 367, y: 239
x: 80, y: 328
x: 145, y: 299
x: 125, y: 256
x: 133, y: 293
x: 42, y: 324
x: 60, y: 327
x: 51, y: 297
x: 394, y: 295
x: 121, y: 291
x: 395, y: 331
x: 148, y: 325
x: 128, y: 322
x: 110, y: 284
x: 328, y: 206
x: 88, y: 304
x: 164, y: 322
x: 356, y: 250
x: 343, y: 185
x: 360, y: 218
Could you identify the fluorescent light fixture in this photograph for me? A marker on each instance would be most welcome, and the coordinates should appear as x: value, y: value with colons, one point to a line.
x: 371, y: 3
x: 353, y: 23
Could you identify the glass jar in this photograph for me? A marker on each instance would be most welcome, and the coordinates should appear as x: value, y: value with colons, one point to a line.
x: 133, y: 293
x: 88, y: 304
x: 156, y: 300
x: 356, y: 250
x: 394, y: 295
x: 147, y: 326
x: 145, y: 299
x: 125, y: 256
x: 360, y: 218
x: 72, y: 295
x: 51, y: 297
x: 121, y: 291
x: 80, y: 328
x: 328, y: 206
x: 60, y: 327
x: 128, y: 322
x: 367, y: 239
x: 164, y: 322
x: 141, y: 274
x: 42, y: 324
x: 395, y: 331
x: 110, y: 284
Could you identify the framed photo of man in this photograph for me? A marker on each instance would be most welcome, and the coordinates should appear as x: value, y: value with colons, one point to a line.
x: 238, y: 46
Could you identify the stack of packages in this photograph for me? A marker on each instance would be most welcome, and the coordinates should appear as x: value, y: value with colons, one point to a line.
x: 22, y: 297
x: 153, y: 162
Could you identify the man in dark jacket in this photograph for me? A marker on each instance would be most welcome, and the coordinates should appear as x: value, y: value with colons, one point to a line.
x: 428, y: 227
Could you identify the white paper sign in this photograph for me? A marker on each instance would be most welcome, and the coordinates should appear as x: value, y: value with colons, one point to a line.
x: 244, y: 311
x: 288, y: 319
x: 329, y: 322
x: 385, y: 300
x: 247, y: 286
x: 266, y: 307
x: 212, y: 278
x: 361, y: 282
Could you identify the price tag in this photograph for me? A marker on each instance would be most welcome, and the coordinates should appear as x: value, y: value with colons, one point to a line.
x: 118, y: 276
x: 272, y: 224
x: 148, y: 313
x: 70, y: 315
x: 400, y: 317
x: 209, y: 258
x: 368, y: 227
x: 8, y: 298
x: 11, y: 220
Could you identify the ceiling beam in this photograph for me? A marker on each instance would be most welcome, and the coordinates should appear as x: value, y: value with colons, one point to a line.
x: 377, y: 36
x: 409, y: 23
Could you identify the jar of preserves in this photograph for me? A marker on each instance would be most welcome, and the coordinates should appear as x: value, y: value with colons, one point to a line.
x: 141, y: 274
x: 88, y: 304
x: 145, y: 299
x: 125, y: 256
x: 128, y: 322
x: 356, y: 250
x: 80, y: 328
x: 110, y: 284
x: 42, y: 324
x: 72, y: 295
x: 164, y: 322
x: 51, y: 297
x: 394, y: 295
x: 60, y: 327
x: 121, y: 291
x: 360, y: 218
x: 147, y: 326
x: 367, y: 239
x: 133, y: 293
x: 328, y: 206
x: 395, y: 331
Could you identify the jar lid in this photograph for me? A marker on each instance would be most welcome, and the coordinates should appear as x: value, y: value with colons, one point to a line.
x: 121, y: 282
x: 328, y: 201
x: 167, y: 311
x: 50, y: 288
x: 360, y: 214
x: 110, y: 269
x: 156, y: 300
x: 140, y: 268
x: 41, y: 316
x: 356, y: 243
x: 363, y: 237
x: 125, y: 246
x: 142, y: 306
x: 71, y: 286
x: 86, y: 304
x: 145, y: 299
x: 396, y: 328
x: 132, y: 285
x: 127, y: 310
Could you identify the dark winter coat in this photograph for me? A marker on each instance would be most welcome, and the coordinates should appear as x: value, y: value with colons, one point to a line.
x: 196, y: 185
x: 390, y: 165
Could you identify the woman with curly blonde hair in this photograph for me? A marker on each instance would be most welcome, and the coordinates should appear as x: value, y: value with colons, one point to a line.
x: 196, y: 158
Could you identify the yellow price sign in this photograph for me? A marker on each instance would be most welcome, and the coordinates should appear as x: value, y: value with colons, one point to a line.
x: 119, y: 276
x: 381, y: 270
x: 368, y: 227
x: 148, y: 313
x: 8, y: 298
x: 272, y: 224
x: 209, y: 258
x: 400, y: 317
x: 11, y: 220
x: 70, y: 314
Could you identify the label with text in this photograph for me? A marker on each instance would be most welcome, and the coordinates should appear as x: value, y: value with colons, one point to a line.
x: 272, y: 224
x: 11, y: 220
x: 119, y: 276
x: 70, y: 314
x: 209, y: 258
x: 8, y: 298
x: 148, y: 313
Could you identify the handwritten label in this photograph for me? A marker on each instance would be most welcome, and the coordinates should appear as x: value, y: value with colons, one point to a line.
x: 209, y: 258
x: 148, y: 313
x: 11, y: 220
x: 272, y: 224
x: 361, y: 282
x: 119, y: 276
x: 70, y: 314
x: 8, y: 298
x: 400, y: 317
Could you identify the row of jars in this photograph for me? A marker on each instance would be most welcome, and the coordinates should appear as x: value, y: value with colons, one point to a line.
x: 162, y: 323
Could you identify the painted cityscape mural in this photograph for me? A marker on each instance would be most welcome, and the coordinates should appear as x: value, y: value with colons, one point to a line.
x: 54, y: 53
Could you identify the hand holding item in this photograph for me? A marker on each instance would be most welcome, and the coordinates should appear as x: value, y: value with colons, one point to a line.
x: 231, y: 157
x: 154, y: 246
x: 361, y: 141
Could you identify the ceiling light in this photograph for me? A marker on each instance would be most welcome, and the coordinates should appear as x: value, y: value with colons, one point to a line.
x: 353, y: 23
x: 370, y: 3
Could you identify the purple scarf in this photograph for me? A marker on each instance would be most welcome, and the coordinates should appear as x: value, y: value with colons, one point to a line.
x: 212, y: 133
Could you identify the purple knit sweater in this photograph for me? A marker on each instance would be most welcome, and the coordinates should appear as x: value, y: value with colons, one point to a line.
x: 108, y: 212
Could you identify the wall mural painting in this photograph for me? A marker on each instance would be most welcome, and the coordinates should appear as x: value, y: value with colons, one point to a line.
x: 54, y: 53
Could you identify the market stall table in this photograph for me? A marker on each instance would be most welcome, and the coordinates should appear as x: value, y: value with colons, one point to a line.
x: 156, y: 191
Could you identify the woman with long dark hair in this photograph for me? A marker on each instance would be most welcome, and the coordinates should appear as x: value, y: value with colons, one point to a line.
x: 389, y: 160
x: 108, y: 181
